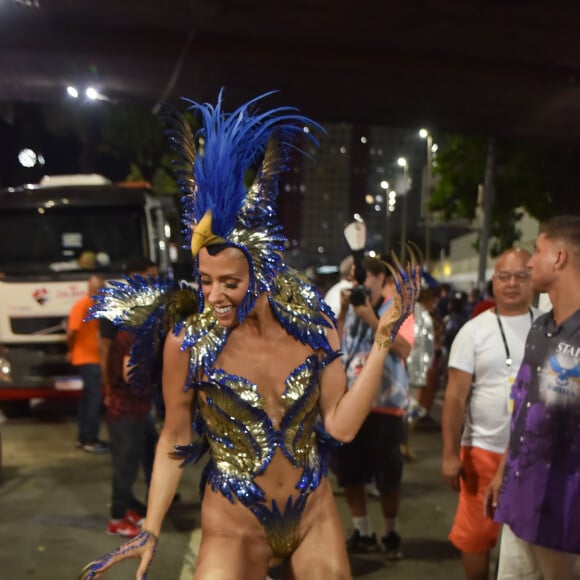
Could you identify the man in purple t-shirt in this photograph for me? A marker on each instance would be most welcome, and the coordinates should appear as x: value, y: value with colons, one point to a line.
x: 536, y: 492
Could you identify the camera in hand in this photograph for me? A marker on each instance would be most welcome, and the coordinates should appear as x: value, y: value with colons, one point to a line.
x: 359, y: 293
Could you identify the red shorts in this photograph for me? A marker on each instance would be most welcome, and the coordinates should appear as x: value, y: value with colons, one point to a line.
x: 471, y: 531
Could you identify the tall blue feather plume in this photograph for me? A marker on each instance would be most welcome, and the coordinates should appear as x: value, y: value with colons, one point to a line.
x: 226, y: 147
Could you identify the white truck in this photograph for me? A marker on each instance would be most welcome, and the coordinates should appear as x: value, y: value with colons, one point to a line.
x: 52, y: 236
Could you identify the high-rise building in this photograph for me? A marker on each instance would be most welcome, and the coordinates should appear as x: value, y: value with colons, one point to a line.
x: 349, y: 174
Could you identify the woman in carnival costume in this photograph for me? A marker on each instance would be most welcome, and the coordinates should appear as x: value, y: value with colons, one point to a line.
x: 258, y: 365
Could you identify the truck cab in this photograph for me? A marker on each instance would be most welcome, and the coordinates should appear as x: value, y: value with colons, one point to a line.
x: 53, y: 235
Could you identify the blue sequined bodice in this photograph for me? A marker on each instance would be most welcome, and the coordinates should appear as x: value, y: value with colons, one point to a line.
x: 242, y: 436
x: 243, y: 440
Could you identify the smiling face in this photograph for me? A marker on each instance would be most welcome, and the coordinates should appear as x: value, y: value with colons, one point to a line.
x: 512, y: 285
x: 224, y: 278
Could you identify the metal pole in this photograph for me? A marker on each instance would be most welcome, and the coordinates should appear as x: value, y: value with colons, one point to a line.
x: 427, y: 214
x: 488, y: 197
x: 386, y: 225
x: 404, y: 215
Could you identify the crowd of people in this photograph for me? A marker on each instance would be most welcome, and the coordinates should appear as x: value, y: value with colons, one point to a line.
x: 511, y: 412
x: 350, y: 379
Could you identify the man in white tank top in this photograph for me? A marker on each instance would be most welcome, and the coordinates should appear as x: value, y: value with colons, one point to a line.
x: 484, y: 360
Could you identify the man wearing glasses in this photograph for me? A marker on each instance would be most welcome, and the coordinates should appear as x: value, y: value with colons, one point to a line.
x: 484, y: 359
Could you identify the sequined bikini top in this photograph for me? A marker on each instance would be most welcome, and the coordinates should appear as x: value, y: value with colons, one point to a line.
x: 242, y: 437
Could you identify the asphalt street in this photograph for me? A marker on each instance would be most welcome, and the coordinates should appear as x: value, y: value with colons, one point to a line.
x: 54, y: 508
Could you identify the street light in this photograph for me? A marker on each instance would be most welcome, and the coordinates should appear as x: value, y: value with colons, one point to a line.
x: 426, y: 192
x: 402, y: 188
x: 29, y: 158
x: 90, y: 93
x: 385, y: 185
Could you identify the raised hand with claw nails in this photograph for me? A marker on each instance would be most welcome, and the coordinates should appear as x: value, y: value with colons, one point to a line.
x: 408, y: 283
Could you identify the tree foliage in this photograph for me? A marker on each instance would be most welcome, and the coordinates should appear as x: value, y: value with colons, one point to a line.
x: 135, y: 134
x: 131, y: 134
x: 534, y: 176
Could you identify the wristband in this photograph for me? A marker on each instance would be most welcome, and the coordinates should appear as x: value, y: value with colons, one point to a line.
x: 384, y: 341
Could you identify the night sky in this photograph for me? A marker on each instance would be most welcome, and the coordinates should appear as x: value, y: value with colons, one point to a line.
x: 24, y: 125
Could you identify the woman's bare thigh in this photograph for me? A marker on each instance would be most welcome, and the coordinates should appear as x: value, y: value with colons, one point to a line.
x: 233, y: 542
x: 227, y: 557
x: 322, y: 549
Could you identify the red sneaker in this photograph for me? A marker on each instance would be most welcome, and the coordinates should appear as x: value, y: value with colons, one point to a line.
x: 122, y: 528
x: 134, y: 517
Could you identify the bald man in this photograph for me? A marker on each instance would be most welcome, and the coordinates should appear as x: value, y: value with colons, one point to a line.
x: 484, y: 359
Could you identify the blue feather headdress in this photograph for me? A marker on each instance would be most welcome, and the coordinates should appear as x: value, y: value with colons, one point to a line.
x: 149, y: 308
x: 213, y: 164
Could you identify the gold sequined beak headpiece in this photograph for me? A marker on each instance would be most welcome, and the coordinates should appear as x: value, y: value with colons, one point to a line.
x: 202, y: 235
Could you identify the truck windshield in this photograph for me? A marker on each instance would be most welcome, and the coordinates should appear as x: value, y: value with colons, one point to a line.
x: 51, y: 239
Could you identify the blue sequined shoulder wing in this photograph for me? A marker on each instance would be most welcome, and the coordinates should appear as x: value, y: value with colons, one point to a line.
x: 205, y: 339
x: 147, y: 307
x: 301, y: 310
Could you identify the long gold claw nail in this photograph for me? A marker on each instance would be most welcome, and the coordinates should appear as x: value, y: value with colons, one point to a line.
x: 417, y: 254
x: 392, y: 270
x: 397, y: 261
x: 84, y: 575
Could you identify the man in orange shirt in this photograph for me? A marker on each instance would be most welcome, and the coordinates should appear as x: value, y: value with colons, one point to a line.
x: 83, y: 343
